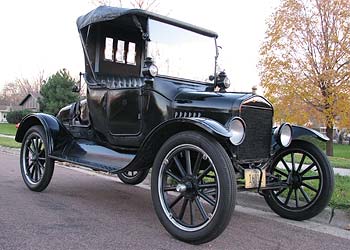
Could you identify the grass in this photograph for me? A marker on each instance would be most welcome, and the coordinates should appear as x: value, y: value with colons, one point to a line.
x: 9, y: 142
x: 341, y: 151
x: 8, y: 129
x: 341, y: 195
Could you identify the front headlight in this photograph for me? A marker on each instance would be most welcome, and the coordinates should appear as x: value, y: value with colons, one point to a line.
x: 237, y: 128
x: 153, y: 70
x: 283, y: 134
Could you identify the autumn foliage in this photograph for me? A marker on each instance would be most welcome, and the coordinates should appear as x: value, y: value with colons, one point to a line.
x: 305, y: 62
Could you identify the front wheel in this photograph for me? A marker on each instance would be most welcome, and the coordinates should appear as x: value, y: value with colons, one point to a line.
x: 36, y: 167
x: 308, y: 178
x: 193, y: 187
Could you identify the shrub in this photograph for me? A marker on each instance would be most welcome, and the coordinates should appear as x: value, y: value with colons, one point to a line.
x: 15, y: 117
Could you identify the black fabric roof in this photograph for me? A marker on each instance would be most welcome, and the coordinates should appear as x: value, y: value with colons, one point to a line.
x: 107, y: 13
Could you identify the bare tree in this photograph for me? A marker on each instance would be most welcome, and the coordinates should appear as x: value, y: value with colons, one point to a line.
x: 14, y: 92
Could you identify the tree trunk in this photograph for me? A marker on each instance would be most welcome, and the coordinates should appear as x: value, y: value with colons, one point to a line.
x: 329, y: 145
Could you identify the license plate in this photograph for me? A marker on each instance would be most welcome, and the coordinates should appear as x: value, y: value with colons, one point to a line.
x: 252, y: 178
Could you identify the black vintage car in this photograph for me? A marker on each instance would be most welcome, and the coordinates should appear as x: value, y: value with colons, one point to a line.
x: 156, y: 99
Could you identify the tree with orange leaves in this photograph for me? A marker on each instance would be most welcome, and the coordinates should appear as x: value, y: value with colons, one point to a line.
x: 305, y: 62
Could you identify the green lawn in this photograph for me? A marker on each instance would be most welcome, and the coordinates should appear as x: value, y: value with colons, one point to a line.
x: 341, y: 158
x: 341, y: 151
x: 341, y: 195
x: 7, y: 129
x: 9, y: 142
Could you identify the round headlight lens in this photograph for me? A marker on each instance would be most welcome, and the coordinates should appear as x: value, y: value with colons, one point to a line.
x: 237, y: 129
x: 153, y: 70
x: 285, y: 134
x: 227, y: 82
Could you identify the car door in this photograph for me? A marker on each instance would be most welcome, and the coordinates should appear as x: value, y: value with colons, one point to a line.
x: 124, y: 111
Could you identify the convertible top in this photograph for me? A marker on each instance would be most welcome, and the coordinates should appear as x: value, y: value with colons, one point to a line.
x: 107, y: 13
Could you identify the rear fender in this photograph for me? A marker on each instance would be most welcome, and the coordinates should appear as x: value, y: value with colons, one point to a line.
x: 57, y: 135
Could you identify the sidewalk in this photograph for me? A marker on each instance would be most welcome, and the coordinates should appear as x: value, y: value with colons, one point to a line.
x: 7, y: 136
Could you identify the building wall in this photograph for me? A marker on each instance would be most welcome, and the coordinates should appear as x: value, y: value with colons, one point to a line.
x: 3, y: 116
x: 31, y: 104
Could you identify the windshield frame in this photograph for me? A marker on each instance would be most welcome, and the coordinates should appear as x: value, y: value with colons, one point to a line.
x: 216, y: 47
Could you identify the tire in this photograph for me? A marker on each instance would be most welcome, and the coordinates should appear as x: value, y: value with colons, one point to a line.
x: 133, y: 177
x: 309, y: 181
x: 193, y: 187
x: 36, y: 167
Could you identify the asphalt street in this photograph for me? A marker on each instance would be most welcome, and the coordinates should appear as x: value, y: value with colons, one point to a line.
x: 82, y: 211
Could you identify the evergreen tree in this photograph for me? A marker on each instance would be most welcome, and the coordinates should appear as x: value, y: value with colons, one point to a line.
x: 57, y: 92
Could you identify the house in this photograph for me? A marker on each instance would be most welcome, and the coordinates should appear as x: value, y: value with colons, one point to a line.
x: 31, y: 102
x: 3, y: 113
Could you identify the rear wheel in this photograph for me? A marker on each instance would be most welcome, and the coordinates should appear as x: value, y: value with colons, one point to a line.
x: 308, y: 179
x: 193, y: 187
x: 133, y: 177
x: 36, y: 167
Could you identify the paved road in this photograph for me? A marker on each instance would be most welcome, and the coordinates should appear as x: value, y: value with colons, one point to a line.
x: 80, y: 211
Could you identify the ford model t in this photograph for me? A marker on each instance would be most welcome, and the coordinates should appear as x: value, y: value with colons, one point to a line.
x: 155, y: 100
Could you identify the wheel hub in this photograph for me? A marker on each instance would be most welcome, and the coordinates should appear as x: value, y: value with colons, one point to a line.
x: 188, y: 187
x: 295, y: 180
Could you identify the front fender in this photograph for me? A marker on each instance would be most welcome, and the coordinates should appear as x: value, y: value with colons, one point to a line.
x: 210, y: 126
x: 300, y: 133
x: 56, y: 134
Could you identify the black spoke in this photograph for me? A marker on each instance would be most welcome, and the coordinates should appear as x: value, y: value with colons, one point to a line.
x: 169, y: 188
x: 280, y: 192
x: 285, y: 165
x: 173, y: 203
x: 35, y: 143
x: 197, y: 163
x: 207, y: 185
x: 293, y: 162
x: 301, y: 163
x: 309, y: 187
x: 173, y: 176
x: 191, y: 212
x: 281, y: 173
x: 205, y: 172
x: 183, y: 208
x: 207, y: 198
x: 307, y: 198
x: 201, y: 209
x: 30, y: 149
x: 30, y: 166
x: 179, y: 166
x: 288, y: 196
x: 41, y: 165
x: 296, y: 198
x: 307, y: 178
x: 188, y: 162
x: 307, y: 169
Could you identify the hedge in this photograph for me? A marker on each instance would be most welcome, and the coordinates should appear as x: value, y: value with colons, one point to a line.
x: 15, y: 117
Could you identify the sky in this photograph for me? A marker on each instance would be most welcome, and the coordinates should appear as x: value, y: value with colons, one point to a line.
x: 41, y: 35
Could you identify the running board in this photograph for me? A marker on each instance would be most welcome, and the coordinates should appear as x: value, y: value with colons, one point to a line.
x: 91, y: 155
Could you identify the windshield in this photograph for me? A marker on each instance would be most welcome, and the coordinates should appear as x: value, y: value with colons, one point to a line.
x: 181, y: 53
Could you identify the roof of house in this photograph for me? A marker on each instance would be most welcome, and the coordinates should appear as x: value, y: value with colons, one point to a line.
x: 34, y: 95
